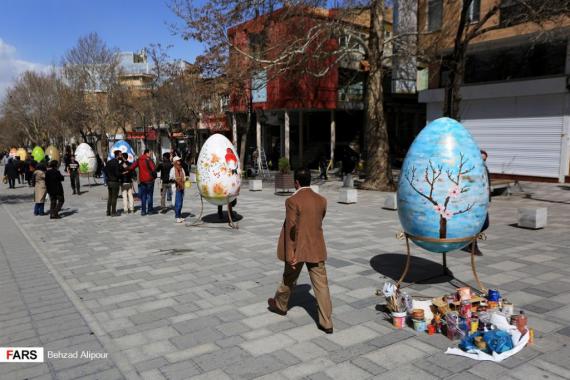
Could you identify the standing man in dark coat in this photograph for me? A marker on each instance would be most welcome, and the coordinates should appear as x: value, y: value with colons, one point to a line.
x: 20, y: 167
x: 11, y: 171
x: 302, y: 242
x: 164, y: 167
x: 73, y: 171
x: 54, y: 189
x: 114, y: 175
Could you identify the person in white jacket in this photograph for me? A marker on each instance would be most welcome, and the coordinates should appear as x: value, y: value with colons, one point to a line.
x: 178, y: 176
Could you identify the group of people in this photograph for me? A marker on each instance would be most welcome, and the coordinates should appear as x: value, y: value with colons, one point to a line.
x: 120, y: 173
x: 16, y: 169
x: 47, y: 181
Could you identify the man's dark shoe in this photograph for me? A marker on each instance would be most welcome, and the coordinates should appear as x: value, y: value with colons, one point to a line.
x: 108, y: 214
x: 272, y: 307
x: 328, y: 331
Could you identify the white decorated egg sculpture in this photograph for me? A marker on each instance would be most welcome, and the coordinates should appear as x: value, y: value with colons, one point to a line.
x: 218, y: 173
x: 86, y: 158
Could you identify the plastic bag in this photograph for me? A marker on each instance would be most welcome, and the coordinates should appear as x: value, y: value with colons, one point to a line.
x: 498, y: 341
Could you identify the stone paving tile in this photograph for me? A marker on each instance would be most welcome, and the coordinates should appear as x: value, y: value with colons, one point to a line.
x: 183, y: 302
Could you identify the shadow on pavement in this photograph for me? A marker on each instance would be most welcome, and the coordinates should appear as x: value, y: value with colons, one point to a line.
x: 302, y: 298
x: 213, y: 218
x: 16, y: 198
x: 392, y: 265
x: 67, y: 213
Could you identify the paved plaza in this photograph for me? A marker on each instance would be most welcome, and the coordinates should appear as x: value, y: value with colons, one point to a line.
x: 167, y: 301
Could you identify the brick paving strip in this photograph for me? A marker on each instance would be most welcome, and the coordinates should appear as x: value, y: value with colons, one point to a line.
x: 169, y: 302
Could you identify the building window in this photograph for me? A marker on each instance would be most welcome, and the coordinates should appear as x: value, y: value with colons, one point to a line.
x: 257, y: 43
x: 514, y: 12
x: 351, y: 85
x: 259, y: 87
x: 517, y: 62
x: 474, y: 11
x: 435, y: 15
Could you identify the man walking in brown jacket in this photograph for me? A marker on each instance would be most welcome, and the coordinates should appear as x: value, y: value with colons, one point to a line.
x: 302, y: 242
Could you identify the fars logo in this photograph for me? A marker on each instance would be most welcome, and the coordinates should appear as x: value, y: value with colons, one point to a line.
x: 21, y: 354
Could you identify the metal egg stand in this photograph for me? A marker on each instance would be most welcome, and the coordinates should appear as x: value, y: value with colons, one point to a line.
x: 199, y: 222
x: 446, y: 271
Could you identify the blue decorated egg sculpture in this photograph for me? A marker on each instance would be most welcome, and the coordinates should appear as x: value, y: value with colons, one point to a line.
x: 218, y: 173
x: 124, y: 147
x: 443, y: 193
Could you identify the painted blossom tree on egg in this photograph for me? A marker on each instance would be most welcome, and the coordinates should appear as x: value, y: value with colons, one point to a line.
x: 431, y: 176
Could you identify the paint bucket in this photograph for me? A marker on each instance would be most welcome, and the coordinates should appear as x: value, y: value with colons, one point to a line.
x: 431, y: 329
x: 399, y: 320
x: 419, y: 325
x: 464, y: 294
x: 493, y: 295
x: 508, y: 308
x: 474, y: 324
x: 418, y: 314
x: 465, y: 309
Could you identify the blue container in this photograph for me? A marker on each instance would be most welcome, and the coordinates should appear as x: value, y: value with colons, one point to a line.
x: 443, y: 191
x: 493, y: 295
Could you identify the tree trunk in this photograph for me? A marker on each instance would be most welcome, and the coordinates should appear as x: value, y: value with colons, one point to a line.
x: 457, y: 67
x: 379, y: 171
x: 243, y: 142
x: 442, y: 227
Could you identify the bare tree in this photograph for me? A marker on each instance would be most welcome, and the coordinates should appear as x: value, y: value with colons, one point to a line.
x: 91, y: 69
x: 31, y: 106
x: 310, y: 49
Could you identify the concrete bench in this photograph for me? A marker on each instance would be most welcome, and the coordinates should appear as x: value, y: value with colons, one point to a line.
x: 347, y: 196
x: 391, y: 202
x: 532, y: 217
x: 255, y: 185
x: 501, y: 184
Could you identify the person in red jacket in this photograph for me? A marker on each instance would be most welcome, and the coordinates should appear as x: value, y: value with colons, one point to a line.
x: 147, y: 175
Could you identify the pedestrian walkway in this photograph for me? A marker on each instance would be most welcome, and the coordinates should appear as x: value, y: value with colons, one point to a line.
x: 174, y: 302
x: 36, y: 312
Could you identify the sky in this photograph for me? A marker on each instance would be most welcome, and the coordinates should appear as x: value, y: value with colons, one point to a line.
x: 35, y: 34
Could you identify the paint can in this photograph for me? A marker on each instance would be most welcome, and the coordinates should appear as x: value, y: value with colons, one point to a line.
x: 474, y: 324
x: 465, y: 309
x: 419, y: 325
x: 418, y: 314
x: 431, y: 329
x: 399, y: 320
x: 464, y: 294
x: 508, y: 308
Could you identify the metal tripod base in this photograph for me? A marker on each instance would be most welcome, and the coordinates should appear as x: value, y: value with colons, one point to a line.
x: 199, y: 222
x: 446, y: 272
